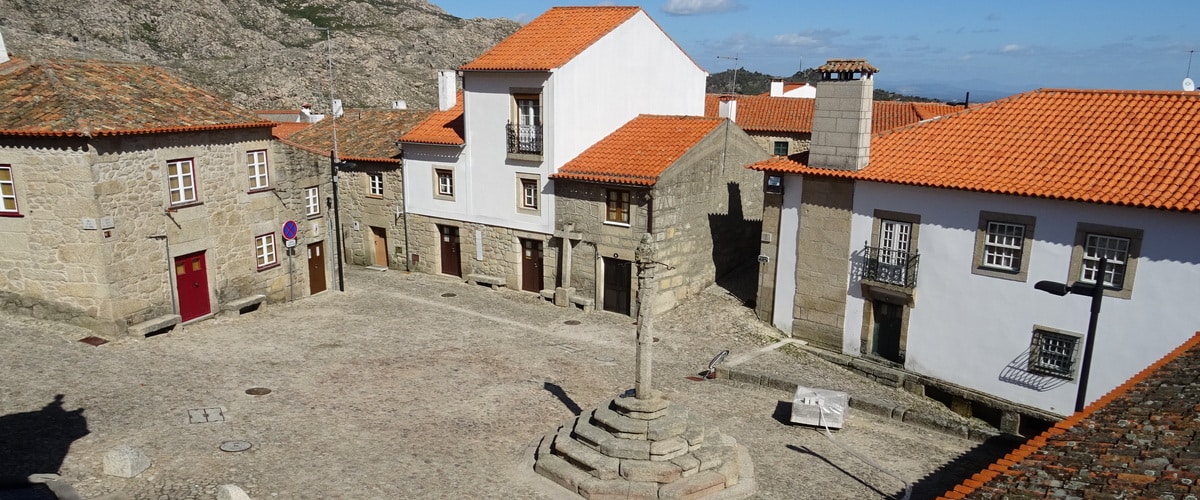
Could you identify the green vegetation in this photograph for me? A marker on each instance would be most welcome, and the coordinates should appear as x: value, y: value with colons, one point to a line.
x: 754, y: 83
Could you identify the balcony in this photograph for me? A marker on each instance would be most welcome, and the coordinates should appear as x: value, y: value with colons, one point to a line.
x: 524, y: 140
x: 884, y: 265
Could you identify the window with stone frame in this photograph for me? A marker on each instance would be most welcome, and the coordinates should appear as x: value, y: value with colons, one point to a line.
x: 530, y: 195
x: 8, y: 191
x: 312, y: 201
x: 443, y: 184
x: 616, y: 206
x: 375, y: 184
x: 256, y: 164
x: 181, y: 182
x: 1002, y: 245
x: 264, y: 251
x: 525, y: 126
x: 781, y: 148
x: 1053, y: 352
x: 1120, y: 246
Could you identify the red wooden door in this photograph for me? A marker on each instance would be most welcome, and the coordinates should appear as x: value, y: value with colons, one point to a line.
x: 316, y: 268
x: 531, y: 265
x: 191, y: 281
x: 450, y: 263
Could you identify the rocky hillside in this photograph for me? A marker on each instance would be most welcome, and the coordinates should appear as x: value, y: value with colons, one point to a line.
x: 264, y: 53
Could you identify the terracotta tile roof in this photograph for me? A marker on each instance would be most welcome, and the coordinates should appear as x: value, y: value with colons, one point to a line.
x: 640, y: 151
x: 552, y: 39
x: 363, y: 134
x: 285, y: 130
x: 760, y: 113
x: 90, y: 98
x: 1139, y: 441
x: 847, y: 66
x: 1133, y: 148
x: 441, y: 127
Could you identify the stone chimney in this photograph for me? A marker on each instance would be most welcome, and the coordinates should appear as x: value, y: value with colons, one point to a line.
x: 841, y: 132
x: 776, y: 88
x: 727, y: 108
x: 400, y: 104
x: 3, y: 50
x: 447, y: 89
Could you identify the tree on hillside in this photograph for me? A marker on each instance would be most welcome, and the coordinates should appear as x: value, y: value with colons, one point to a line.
x: 754, y: 83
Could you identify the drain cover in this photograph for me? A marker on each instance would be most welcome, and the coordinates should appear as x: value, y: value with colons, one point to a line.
x: 93, y: 340
x: 449, y: 294
x: 605, y: 359
x: 571, y: 322
x: 258, y: 391
x: 235, y: 446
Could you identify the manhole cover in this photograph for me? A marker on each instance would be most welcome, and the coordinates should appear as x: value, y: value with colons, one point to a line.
x: 449, y: 294
x: 605, y: 359
x: 235, y: 446
x: 96, y: 341
x: 258, y: 391
x: 572, y: 322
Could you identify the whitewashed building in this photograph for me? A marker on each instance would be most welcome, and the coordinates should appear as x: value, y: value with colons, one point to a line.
x: 477, y: 188
x: 914, y: 253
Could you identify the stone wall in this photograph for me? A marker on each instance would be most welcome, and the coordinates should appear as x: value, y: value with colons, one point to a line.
x: 822, y: 267
x: 386, y: 212
x: 582, y: 205
x: 98, y: 235
x: 764, y: 305
x: 797, y: 142
x: 500, y: 248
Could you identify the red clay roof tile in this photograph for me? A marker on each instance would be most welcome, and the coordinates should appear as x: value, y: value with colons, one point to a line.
x: 363, y: 134
x: 91, y: 98
x: 441, y: 127
x: 640, y: 151
x: 761, y: 113
x: 552, y: 39
x: 1100, y: 146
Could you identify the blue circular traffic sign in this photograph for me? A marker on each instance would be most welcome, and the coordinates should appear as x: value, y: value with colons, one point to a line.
x: 289, y: 229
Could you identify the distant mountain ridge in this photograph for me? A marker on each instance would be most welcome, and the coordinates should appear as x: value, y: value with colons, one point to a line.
x: 264, y: 53
x: 745, y: 82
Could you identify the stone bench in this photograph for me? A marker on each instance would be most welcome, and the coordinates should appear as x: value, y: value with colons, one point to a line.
x: 158, y: 324
x: 583, y: 303
x: 245, y: 304
x: 483, y: 279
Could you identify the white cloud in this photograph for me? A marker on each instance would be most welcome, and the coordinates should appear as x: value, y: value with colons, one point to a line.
x: 1012, y: 47
x: 689, y: 7
x: 807, y: 38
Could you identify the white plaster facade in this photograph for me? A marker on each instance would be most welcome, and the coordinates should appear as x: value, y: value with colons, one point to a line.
x: 973, y: 330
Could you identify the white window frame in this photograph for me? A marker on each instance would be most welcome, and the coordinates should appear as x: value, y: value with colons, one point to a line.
x: 264, y: 251
x: 1121, y: 245
x: 375, y: 184
x: 256, y: 164
x: 1003, y: 246
x: 312, y: 201
x: 1054, y: 352
x: 181, y: 182
x: 530, y: 194
x: 443, y: 183
x: 8, y: 191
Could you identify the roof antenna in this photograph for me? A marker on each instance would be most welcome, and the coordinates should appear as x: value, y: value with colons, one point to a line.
x: 1188, y: 84
x: 733, y: 87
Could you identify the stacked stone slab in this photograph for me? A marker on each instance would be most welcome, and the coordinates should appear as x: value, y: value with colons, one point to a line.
x: 643, y: 448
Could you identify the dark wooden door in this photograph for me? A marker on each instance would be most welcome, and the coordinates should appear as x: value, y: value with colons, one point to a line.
x: 888, y: 320
x: 379, y: 240
x: 617, y: 278
x: 191, y: 282
x: 531, y: 265
x: 450, y: 259
x: 316, y: 268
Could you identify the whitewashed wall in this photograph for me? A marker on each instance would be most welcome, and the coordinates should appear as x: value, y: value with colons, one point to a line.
x: 968, y: 329
x: 785, y: 266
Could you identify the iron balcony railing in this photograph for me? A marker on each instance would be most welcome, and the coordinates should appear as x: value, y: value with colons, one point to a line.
x: 525, y: 139
x: 886, y: 265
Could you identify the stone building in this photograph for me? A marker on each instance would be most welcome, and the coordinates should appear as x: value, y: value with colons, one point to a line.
x: 682, y: 180
x: 132, y: 201
x: 370, y: 180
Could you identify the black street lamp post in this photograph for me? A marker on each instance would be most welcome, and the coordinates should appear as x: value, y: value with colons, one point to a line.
x: 334, y: 164
x: 1096, y: 291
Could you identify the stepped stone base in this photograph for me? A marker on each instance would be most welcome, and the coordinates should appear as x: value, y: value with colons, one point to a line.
x: 644, y: 449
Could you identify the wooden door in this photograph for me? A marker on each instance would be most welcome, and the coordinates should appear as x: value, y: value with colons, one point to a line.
x: 531, y: 265
x: 379, y: 240
x: 617, y: 277
x: 450, y: 259
x: 191, y: 283
x: 316, y: 268
x: 888, y: 322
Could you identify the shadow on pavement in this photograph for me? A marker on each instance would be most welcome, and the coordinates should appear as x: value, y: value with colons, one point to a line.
x: 955, y: 471
x: 806, y: 451
x: 36, y: 442
x: 559, y: 393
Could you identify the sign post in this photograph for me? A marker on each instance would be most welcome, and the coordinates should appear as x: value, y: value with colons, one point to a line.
x: 289, y: 235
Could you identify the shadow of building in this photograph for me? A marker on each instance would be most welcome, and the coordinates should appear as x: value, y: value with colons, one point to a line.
x: 36, y: 442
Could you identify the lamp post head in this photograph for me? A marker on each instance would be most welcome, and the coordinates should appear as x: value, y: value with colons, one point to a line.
x: 1053, y: 287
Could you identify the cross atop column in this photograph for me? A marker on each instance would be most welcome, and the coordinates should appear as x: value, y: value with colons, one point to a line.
x: 644, y: 255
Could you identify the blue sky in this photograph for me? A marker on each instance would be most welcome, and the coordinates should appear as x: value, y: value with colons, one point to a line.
x: 1004, y: 47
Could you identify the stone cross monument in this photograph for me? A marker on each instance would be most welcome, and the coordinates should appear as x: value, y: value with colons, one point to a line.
x: 644, y: 256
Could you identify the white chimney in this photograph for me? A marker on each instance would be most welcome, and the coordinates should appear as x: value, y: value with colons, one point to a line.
x: 336, y: 109
x: 776, y: 88
x: 447, y: 89
x: 399, y: 104
x: 3, y: 50
x: 727, y: 108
